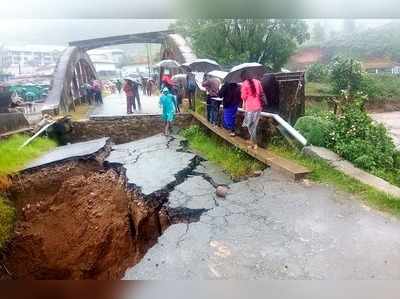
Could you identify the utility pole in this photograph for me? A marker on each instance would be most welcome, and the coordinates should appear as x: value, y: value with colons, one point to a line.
x: 148, y: 58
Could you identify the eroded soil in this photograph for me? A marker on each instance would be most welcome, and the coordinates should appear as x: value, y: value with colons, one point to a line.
x: 78, y: 220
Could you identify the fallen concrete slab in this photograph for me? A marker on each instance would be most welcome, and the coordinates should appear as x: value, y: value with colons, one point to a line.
x: 69, y: 152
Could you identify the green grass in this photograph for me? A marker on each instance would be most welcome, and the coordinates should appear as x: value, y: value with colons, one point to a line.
x: 235, y: 162
x: 323, y: 173
x: 386, y: 88
x: 200, y: 106
x: 81, y: 112
x: 11, y: 161
x: 317, y: 108
x: 7, y: 219
x: 378, y: 87
x: 318, y: 89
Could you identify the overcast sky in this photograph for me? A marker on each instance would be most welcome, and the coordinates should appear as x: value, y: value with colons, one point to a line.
x: 62, y: 31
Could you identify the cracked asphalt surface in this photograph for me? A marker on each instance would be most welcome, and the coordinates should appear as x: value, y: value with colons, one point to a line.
x: 271, y: 228
x: 267, y: 227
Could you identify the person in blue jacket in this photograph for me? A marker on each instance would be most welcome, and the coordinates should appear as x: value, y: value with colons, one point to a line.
x: 168, y: 105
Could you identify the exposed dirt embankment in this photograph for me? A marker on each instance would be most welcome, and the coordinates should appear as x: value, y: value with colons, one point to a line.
x: 77, y: 220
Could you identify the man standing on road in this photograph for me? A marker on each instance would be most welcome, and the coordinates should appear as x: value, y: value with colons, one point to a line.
x: 135, y: 85
x: 130, y: 101
x: 191, y: 89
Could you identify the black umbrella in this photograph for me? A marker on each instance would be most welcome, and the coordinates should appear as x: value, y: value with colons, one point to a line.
x: 203, y: 65
x: 254, y: 69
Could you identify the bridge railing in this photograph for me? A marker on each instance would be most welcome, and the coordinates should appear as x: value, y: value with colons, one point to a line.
x: 283, y: 123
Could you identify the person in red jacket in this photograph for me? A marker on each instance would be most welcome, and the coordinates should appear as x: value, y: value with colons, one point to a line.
x: 129, y: 91
x: 252, y: 94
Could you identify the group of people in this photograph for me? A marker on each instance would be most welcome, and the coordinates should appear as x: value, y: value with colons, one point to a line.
x: 92, y: 92
x: 249, y: 95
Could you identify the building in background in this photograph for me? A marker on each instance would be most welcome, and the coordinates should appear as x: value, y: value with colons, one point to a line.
x: 107, y: 61
x: 34, y: 55
x: 22, y: 60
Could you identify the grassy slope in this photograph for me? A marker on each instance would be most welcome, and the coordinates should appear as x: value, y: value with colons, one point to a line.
x: 317, y: 89
x: 323, y: 173
x: 11, y: 161
x: 233, y: 161
x: 386, y: 88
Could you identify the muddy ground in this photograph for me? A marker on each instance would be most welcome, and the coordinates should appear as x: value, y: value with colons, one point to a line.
x: 78, y: 220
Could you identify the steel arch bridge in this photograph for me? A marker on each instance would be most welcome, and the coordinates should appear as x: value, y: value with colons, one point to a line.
x: 75, y: 68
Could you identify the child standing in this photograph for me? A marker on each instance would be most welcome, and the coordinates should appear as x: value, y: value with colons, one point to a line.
x: 167, y: 102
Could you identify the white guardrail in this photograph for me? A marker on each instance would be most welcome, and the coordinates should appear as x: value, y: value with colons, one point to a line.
x: 292, y: 131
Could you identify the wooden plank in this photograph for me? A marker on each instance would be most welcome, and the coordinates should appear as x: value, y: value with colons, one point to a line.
x: 19, y: 131
x: 287, y: 167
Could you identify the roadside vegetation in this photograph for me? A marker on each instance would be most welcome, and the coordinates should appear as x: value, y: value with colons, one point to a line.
x: 235, y: 162
x: 328, y: 80
x: 351, y: 132
x: 11, y: 161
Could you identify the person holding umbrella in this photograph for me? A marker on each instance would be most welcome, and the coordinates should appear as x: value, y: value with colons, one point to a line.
x: 212, y: 89
x: 167, y: 102
x: 129, y: 91
x: 136, y: 97
x: 252, y: 96
x: 230, y: 93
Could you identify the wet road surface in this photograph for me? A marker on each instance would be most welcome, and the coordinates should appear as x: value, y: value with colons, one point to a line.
x: 270, y: 228
x: 115, y: 105
x: 391, y: 120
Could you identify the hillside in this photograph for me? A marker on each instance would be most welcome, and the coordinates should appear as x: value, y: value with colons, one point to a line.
x: 380, y: 42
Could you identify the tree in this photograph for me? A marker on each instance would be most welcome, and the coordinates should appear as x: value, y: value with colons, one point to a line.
x: 318, y: 33
x: 346, y: 74
x: 231, y: 41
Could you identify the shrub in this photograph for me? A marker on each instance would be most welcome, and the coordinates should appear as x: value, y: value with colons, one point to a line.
x: 314, y: 129
x: 317, y: 72
x: 358, y: 139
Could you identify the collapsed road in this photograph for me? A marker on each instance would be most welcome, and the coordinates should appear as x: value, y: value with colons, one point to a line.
x: 92, y: 209
x: 148, y: 210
